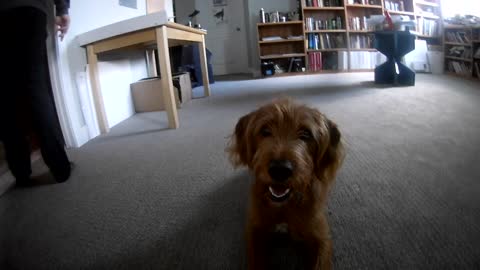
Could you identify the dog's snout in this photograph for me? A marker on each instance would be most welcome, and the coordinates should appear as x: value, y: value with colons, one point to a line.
x: 280, y: 170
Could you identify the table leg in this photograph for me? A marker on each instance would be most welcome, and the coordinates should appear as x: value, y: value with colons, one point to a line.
x: 204, y: 67
x: 166, y: 77
x: 96, y: 91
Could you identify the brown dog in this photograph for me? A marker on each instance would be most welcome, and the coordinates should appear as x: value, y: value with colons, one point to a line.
x: 294, y: 152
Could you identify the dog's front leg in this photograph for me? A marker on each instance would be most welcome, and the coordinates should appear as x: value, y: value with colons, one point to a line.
x: 256, y: 249
x: 320, y: 251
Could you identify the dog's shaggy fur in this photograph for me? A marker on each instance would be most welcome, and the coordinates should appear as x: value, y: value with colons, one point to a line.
x: 294, y: 152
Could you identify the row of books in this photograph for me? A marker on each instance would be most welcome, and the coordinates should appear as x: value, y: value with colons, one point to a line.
x: 477, y: 54
x: 366, y: 60
x: 458, y: 37
x: 313, y: 24
x: 427, y: 11
x: 315, y: 61
x: 318, y: 61
x: 394, y: 5
x: 460, y: 68
x: 359, y: 23
x: 325, y: 41
x: 363, y: 2
x: 460, y: 51
x: 322, y: 3
x: 476, y: 34
x: 360, y: 41
x: 427, y: 27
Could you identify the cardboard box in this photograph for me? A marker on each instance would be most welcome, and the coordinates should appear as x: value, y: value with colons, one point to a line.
x: 182, y: 82
x: 148, y: 97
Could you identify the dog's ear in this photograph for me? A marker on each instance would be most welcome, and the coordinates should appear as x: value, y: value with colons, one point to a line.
x: 239, y: 147
x: 330, y: 156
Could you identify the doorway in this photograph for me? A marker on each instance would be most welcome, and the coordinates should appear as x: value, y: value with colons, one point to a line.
x: 226, y: 31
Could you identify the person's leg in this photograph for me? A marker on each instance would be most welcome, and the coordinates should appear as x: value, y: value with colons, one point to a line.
x: 12, y: 92
x: 17, y: 150
x: 44, y: 115
x: 29, y: 66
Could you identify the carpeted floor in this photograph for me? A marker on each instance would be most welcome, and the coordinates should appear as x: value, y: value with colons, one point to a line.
x: 144, y: 197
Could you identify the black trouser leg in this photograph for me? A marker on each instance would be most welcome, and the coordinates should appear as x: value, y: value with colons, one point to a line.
x: 17, y: 150
x: 29, y: 80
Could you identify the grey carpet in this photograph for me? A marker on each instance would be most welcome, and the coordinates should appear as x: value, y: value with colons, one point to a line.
x: 143, y: 197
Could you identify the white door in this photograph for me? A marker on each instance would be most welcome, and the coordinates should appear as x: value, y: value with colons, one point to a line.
x: 226, y: 37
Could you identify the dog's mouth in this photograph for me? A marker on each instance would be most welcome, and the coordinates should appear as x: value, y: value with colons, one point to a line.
x: 279, y: 193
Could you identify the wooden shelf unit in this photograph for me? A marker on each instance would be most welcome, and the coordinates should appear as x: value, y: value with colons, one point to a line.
x: 279, y: 56
x: 324, y: 8
x: 428, y: 25
x: 329, y: 50
x: 428, y: 16
x: 407, y: 13
x: 325, y: 40
x: 363, y: 6
x: 461, y: 39
x: 281, y: 52
x: 360, y: 34
x: 327, y: 31
x: 476, y: 52
x: 427, y: 13
x: 281, y: 41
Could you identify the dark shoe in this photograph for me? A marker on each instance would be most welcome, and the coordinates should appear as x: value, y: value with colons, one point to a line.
x: 23, y: 182
x: 62, y: 176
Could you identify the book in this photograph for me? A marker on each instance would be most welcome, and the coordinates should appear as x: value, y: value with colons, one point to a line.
x: 290, y: 66
x: 310, y: 62
x: 477, y: 54
x: 319, y: 57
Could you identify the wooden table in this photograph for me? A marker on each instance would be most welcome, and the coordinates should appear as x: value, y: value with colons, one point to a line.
x: 163, y: 36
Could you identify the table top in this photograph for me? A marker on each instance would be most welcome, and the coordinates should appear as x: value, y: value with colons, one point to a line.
x: 132, y: 25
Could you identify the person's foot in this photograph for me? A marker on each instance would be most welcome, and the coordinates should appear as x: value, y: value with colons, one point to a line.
x: 22, y: 182
x: 62, y: 176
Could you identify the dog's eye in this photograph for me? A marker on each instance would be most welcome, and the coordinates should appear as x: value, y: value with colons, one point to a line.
x: 265, y: 132
x: 305, y: 135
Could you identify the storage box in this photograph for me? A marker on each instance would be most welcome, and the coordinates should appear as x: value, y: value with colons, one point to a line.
x: 435, y: 60
x: 183, y: 83
x: 147, y: 94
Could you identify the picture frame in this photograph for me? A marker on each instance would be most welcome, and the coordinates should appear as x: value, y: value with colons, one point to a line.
x: 219, y: 3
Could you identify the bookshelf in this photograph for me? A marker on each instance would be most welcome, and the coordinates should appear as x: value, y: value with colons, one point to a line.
x: 476, y: 52
x: 336, y: 36
x: 362, y: 56
x: 281, y: 43
x: 462, y: 51
x: 428, y: 15
x: 325, y: 34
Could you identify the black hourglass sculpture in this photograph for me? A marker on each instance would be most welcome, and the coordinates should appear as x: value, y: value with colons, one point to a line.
x: 394, y: 45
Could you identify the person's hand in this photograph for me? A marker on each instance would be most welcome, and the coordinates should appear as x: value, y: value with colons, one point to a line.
x: 62, y: 23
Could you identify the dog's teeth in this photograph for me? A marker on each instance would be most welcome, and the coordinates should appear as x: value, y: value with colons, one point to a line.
x: 278, y: 195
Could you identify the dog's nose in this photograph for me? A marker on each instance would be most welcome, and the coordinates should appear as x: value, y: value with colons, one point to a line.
x: 280, y: 170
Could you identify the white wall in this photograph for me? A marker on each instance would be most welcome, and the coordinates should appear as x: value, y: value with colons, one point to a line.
x: 451, y: 8
x: 183, y: 8
x: 253, y: 9
x: 159, y: 5
x: 227, y: 41
x: 87, y: 15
